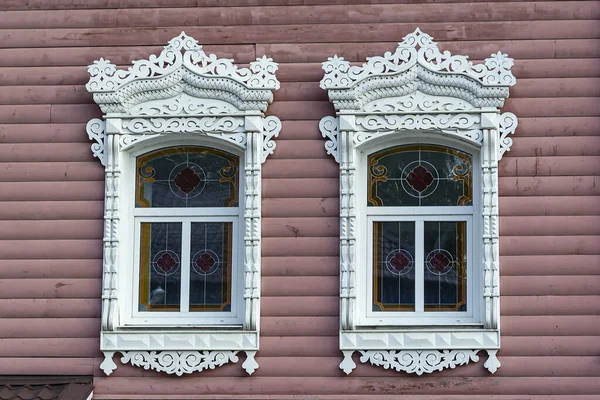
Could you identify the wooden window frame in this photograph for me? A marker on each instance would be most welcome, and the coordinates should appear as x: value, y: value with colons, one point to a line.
x: 418, y: 95
x: 182, y: 97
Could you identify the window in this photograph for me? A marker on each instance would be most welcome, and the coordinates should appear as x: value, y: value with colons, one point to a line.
x: 187, y: 222
x: 418, y: 136
x: 182, y: 140
x: 419, y: 216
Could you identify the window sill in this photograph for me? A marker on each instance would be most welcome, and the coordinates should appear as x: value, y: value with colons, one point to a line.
x: 178, y: 351
x: 419, y: 350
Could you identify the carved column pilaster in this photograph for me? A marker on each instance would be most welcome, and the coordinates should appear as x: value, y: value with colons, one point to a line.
x: 491, y: 254
x: 252, y: 229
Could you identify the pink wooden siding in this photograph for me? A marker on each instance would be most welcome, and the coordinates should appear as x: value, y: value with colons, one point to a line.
x: 51, y: 191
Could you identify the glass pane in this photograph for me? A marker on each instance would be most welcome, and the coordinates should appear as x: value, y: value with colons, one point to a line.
x: 210, y: 276
x: 445, y: 266
x: 423, y: 175
x: 393, y: 266
x: 187, y: 177
x: 160, y: 266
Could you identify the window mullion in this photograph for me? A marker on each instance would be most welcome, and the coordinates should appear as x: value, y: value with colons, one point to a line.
x: 185, y: 266
x: 420, y: 265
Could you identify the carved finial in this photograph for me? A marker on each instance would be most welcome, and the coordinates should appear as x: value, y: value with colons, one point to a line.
x: 183, y: 42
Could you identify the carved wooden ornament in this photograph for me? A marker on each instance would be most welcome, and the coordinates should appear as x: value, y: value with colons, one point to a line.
x: 183, y: 95
x: 404, y: 96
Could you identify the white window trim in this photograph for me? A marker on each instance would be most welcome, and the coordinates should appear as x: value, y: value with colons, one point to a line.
x: 417, y: 94
x: 182, y: 97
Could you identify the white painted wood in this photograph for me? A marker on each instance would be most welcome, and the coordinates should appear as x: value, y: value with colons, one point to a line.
x: 151, y: 106
x: 418, y: 95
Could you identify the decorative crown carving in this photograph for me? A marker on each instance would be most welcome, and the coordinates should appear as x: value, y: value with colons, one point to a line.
x: 419, y: 64
x: 183, y: 67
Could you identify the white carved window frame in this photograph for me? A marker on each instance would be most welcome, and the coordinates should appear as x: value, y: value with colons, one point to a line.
x: 417, y: 94
x: 181, y: 97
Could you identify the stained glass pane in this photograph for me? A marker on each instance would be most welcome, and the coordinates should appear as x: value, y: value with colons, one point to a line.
x: 393, y: 266
x: 424, y: 175
x: 160, y: 266
x: 187, y: 177
x: 210, y: 257
x: 445, y: 266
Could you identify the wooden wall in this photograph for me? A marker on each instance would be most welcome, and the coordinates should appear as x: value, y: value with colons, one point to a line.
x: 51, y: 190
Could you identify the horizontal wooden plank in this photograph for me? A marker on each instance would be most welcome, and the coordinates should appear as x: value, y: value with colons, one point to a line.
x: 549, y: 166
x: 48, y: 347
x: 51, y: 191
x: 273, y: 306
x: 47, y: 152
x: 547, y: 245
x: 276, y: 15
x: 50, y: 328
x: 296, y: 227
x: 117, y: 54
x: 48, y: 249
x: 355, y: 385
x: 554, y: 106
x: 548, y: 285
x: 47, y: 268
x: 324, y: 286
x: 56, y: 171
x: 355, y: 51
x: 531, y: 304
x: 301, y: 168
x: 307, y: 265
x: 299, y: 207
x: 548, y: 186
x: 555, y: 146
x: 579, y: 29
x: 107, y: 4
x: 549, y: 225
x: 51, y: 229
x: 45, y: 366
x: 50, y: 288
x: 52, y: 210
x: 557, y: 126
x: 540, y: 265
x: 548, y: 205
x: 48, y: 307
x: 43, y: 133
x: 303, y: 187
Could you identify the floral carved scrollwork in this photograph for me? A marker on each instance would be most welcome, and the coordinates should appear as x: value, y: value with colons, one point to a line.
x: 418, y: 48
x: 508, y: 125
x: 271, y: 129
x: 418, y: 361
x: 330, y: 130
x: 95, y: 130
x: 184, y: 125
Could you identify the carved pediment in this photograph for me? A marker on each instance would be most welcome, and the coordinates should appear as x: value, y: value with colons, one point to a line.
x: 418, y: 64
x: 182, y: 67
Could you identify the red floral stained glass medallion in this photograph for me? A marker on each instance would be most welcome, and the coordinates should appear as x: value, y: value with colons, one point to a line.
x: 205, y: 262
x: 420, y: 178
x: 399, y: 262
x: 439, y: 262
x: 187, y: 180
x: 166, y: 263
